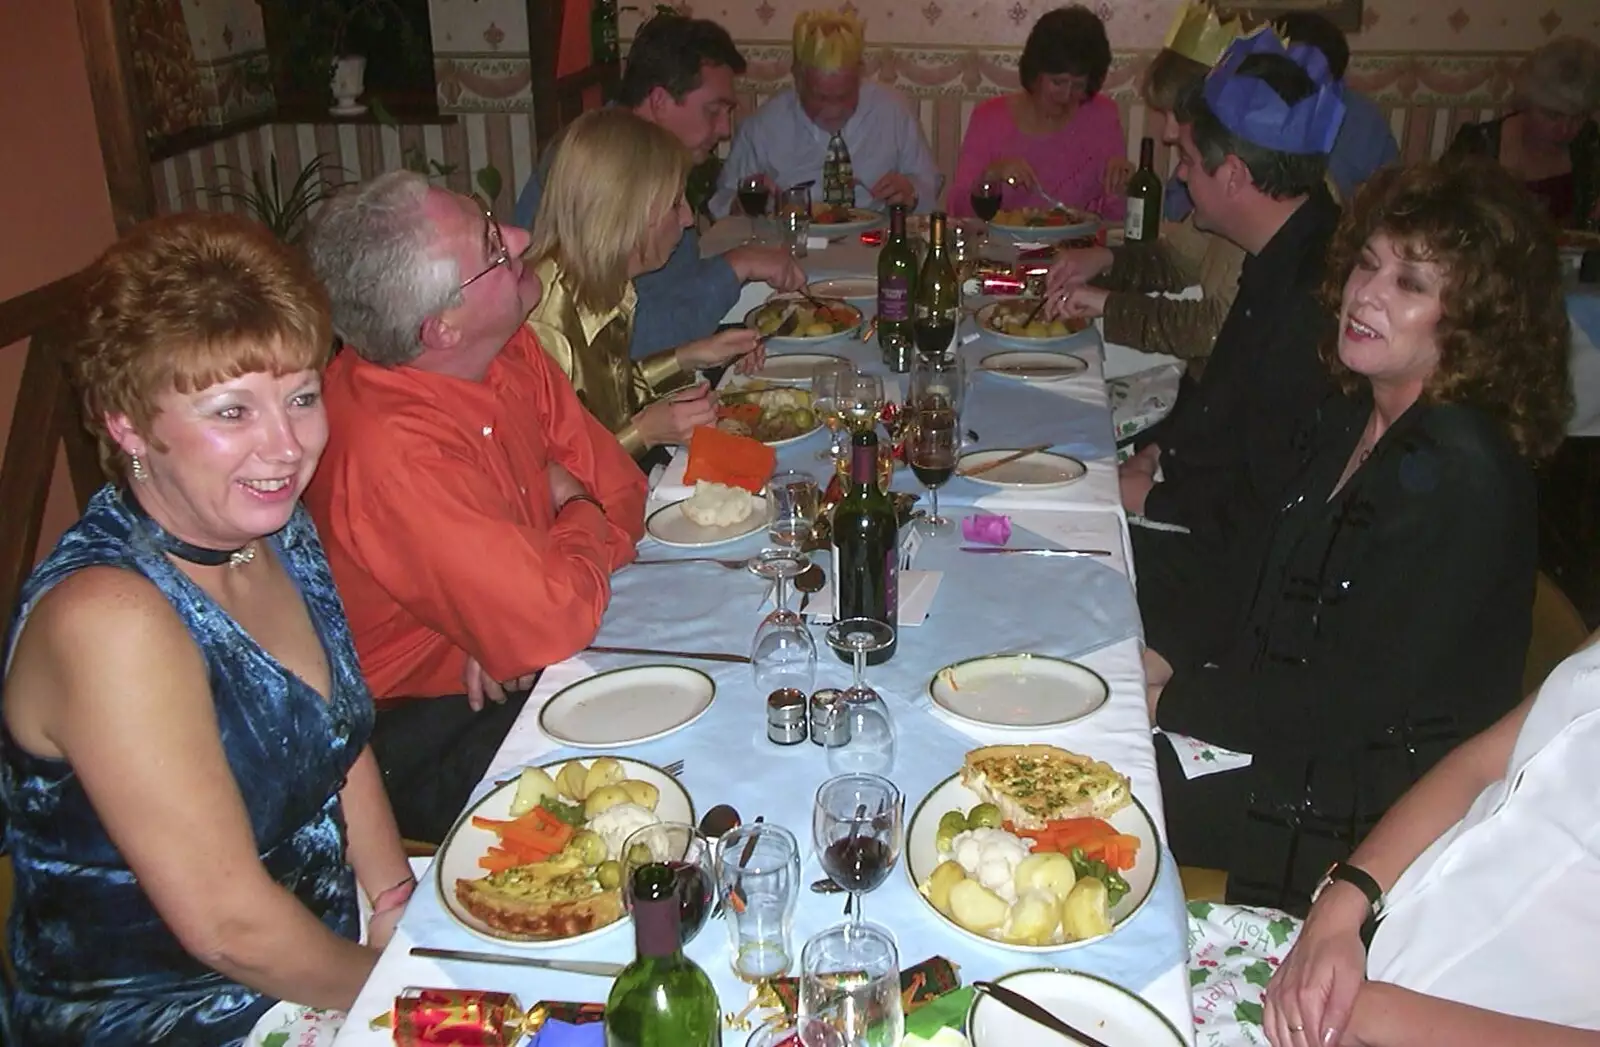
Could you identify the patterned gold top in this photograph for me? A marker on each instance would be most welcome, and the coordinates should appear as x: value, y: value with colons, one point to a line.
x: 592, y: 349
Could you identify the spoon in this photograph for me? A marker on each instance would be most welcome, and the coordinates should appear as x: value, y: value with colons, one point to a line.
x: 719, y: 820
x: 808, y: 581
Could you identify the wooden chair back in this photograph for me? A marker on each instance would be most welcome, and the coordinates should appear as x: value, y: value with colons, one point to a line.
x: 558, y: 98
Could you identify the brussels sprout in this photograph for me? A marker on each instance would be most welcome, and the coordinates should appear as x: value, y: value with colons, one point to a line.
x: 937, y: 888
x: 984, y: 816
x: 1086, y: 912
x: 588, y: 846
x: 640, y: 854
x: 952, y: 823
x: 609, y: 874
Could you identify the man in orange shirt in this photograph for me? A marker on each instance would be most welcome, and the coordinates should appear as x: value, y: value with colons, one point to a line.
x: 472, y: 509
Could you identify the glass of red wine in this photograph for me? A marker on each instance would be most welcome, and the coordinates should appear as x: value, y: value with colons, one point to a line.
x: 933, y: 442
x: 687, y: 852
x: 986, y: 197
x: 755, y: 191
x: 858, y: 827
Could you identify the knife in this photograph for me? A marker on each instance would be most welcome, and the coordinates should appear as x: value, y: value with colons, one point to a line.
x: 594, y: 967
x: 1028, y: 1009
x: 1039, y: 552
x: 654, y: 652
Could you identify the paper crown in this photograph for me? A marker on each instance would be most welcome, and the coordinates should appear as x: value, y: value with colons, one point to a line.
x: 1197, y: 32
x: 1253, y: 110
x: 828, y: 40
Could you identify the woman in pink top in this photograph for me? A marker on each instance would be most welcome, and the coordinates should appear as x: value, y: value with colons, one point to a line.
x: 1056, y: 134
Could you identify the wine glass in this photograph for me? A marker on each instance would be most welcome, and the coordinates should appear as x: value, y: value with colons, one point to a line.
x: 938, y: 381
x: 795, y: 504
x: 865, y: 740
x: 686, y: 851
x: 933, y: 441
x: 783, y: 653
x: 861, y: 400
x: 826, y: 383
x: 986, y: 197
x: 858, y: 827
x: 754, y: 193
x: 794, y: 218
x: 850, y: 989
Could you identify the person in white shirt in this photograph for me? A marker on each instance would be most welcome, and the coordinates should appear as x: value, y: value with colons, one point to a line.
x: 1489, y: 930
x: 789, y: 139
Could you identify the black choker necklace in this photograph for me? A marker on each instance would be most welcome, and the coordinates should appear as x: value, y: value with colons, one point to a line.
x: 196, y: 554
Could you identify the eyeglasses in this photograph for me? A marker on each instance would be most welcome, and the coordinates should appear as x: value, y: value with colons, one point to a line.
x: 499, y: 254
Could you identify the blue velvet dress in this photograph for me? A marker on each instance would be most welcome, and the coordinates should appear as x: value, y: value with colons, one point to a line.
x: 95, y: 963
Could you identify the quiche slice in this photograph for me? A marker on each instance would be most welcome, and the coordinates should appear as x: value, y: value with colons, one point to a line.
x: 539, y: 903
x: 1033, y: 784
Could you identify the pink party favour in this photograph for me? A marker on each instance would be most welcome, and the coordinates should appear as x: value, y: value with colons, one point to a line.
x: 986, y: 528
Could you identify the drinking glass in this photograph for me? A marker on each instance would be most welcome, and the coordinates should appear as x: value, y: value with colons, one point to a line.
x: 861, y: 401
x: 684, y: 850
x: 794, y: 218
x: 858, y: 828
x: 986, y: 197
x: 783, y: 653
x: 755, y: 191
x: 938, y: 381
x: 850, y: 989
x: 865, y: 741
x: 826, y: 385
x: 795, y: 502
x: 933, y: 441
x: 758, y: 871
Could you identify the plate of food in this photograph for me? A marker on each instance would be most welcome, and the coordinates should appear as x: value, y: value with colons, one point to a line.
x: 1018, y: 690
x: 793, y: 368
x: 1007, y: 323
x: 1025, y: 366
x: 792, y: 319
x: 849, y: 288
x: 1045, y: 223
x: 1578, y: 239
x: 1108, y: 1012
x: 776, y: 415
x: 836, y: 220
x: 715, y: 513
x: 1036, y: 469
x: 1033, y: 848
x: 536, y: 862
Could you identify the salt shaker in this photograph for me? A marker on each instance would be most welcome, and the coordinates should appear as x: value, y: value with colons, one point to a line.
x: 786, y: 716
x: 828, y: 724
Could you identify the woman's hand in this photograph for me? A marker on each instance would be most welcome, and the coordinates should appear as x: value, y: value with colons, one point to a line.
x: 719, y: 348
x: 1118, y: 170
x: 1082, y: 303
x: 1310, y: 998
x: 673, y: 419
x: 1013, y: 169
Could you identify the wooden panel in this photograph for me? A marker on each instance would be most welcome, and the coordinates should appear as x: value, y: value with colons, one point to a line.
x: 103, y: 27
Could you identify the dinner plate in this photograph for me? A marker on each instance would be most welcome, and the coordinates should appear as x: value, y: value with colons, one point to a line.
x: 781, y: 340
x: 625, y: 706
x: 1026, y: 366
x: 669, y: 526
x: 1038, y: 470
x: 1104, y: 1010
x: 793, y: 439
x: 850, y: 288
x: 1018, y: 690
x: 861, y: 220
x: 794, y: 368
x: 1051, y: 233
x: 466, y: 843
x: 288, y: 1024
x: 922, y: 856
x: 989, y: 315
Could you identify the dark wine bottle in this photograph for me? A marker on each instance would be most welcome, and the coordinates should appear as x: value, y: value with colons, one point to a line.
x: 662, y: 998
x: 938, y: 299
x: 897, y: 281
x: 866, y: 547
x: 1143, y: 221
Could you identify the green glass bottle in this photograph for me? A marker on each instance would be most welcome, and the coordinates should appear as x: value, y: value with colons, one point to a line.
x: 603, y: 45
x: 897, y: 281
x: 866, y: 547
x: 938, y: 297
x: 662, y: 998
x: 1143, y: 221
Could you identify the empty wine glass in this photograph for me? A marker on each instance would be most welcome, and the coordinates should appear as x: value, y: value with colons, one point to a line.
x: 754, y: 192
x: 850, y: 989
x: 685, y: 850
x: 861, y: 400
x: 865, y: 738
x: 826, y: 386
x: 858, y: 827
x: 794, y: 218
x: 938, y: 380
x: 795, y: 503
x: 783, y: 653
x: 933, y: 441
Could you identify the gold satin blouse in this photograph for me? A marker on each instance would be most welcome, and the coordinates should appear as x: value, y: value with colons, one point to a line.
x: 592, y: 349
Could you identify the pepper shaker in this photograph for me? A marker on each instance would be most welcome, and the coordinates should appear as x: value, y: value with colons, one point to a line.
x: 828, y: 724
x: 786, y: 716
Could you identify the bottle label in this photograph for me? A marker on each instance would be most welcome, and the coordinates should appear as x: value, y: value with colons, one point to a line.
x: 891, y: 585
x: 894, y: 299
x: 837, y: 588
x: 1133, y: 223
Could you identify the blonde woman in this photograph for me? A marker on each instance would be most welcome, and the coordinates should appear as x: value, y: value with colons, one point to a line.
x: 613, y: 210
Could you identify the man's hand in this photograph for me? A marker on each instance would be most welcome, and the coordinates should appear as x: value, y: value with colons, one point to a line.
x: 1136, y: 477
x: 720, y: 348
x: 1014, y: 169
x: 1076, y: 266
x: 1145, y: 461
x: 563, y: 485
x: 480, y: 685
x: 673, y: 419
x: 1157, y: 673
x: 895, y: 188
x: 768, y: 265
x: 1082, y: 302
x: 1118, y: 170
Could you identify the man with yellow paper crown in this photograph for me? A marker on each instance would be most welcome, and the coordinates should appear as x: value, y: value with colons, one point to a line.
x: 860, y: 143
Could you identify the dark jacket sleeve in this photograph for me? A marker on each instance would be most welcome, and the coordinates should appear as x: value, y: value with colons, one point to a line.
x: 1477, y: 140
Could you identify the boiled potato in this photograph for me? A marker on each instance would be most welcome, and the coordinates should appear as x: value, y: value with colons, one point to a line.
x: 642, y: 793
x: 975, y: 907
x: 1034, y: 919
x: 570, y: 780
x: 604, y: 771
x: 1057, y: 329
x: 603, y: 799
x: 937, y: 888
x: 1046, y: 871
x: 1086, y: 912
x: 817, y: 330
x: 1036, y: 330
x: 533, y: 785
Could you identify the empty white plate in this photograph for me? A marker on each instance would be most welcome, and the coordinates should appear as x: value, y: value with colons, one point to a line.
x: 850, y: 288
x: 794, y: 368
x: 625, y: 706
x: 1018, y: 690
x: 1039, y: 469
x: 669, y: 526
x: 1108, y: 1012
x: 1033, y: 366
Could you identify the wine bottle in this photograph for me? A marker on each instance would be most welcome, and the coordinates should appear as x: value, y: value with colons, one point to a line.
x: 1143, y: 221
x: 603, y: 45
x: 866, y: 547
x: 938, y: 297
x: 897, y: 279
x: 662, y: 998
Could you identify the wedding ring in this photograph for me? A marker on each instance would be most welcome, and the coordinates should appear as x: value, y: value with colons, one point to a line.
x: 1297, y: 1028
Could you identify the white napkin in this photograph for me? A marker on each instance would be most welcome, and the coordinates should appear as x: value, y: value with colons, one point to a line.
x: 917, y: 589
x: 1199, y: 759
x: 816, y: 243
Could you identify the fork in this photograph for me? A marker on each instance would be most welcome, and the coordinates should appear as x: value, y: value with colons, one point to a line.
x: 672, y: 770
x: 731, y: 565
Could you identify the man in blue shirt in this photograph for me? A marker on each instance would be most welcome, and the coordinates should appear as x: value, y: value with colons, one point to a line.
x: 679, y: 74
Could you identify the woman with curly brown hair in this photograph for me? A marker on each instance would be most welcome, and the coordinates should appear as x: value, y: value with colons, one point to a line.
x: 1386, y: 617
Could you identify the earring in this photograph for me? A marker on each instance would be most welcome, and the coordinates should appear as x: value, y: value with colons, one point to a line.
x: 140, y: 473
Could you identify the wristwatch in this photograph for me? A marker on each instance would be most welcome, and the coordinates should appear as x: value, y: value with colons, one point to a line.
x: 1356, y: 877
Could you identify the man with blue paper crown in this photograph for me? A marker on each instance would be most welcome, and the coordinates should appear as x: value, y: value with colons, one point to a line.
x: 1253, y: 145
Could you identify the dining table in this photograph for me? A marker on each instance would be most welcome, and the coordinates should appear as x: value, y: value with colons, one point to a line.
x: 1077, y: 608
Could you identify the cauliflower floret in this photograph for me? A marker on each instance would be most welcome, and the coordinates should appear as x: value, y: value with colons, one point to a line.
x: 615, y: 824
x: 991, y: 857
x: 718, y: 505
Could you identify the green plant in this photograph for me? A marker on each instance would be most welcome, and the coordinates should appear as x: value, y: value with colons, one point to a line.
x: 316, y: 32
x: 487, y: 178
x: 264, y: 198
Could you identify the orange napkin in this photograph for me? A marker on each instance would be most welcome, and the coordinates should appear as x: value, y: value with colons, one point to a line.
x: 738, y: 461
